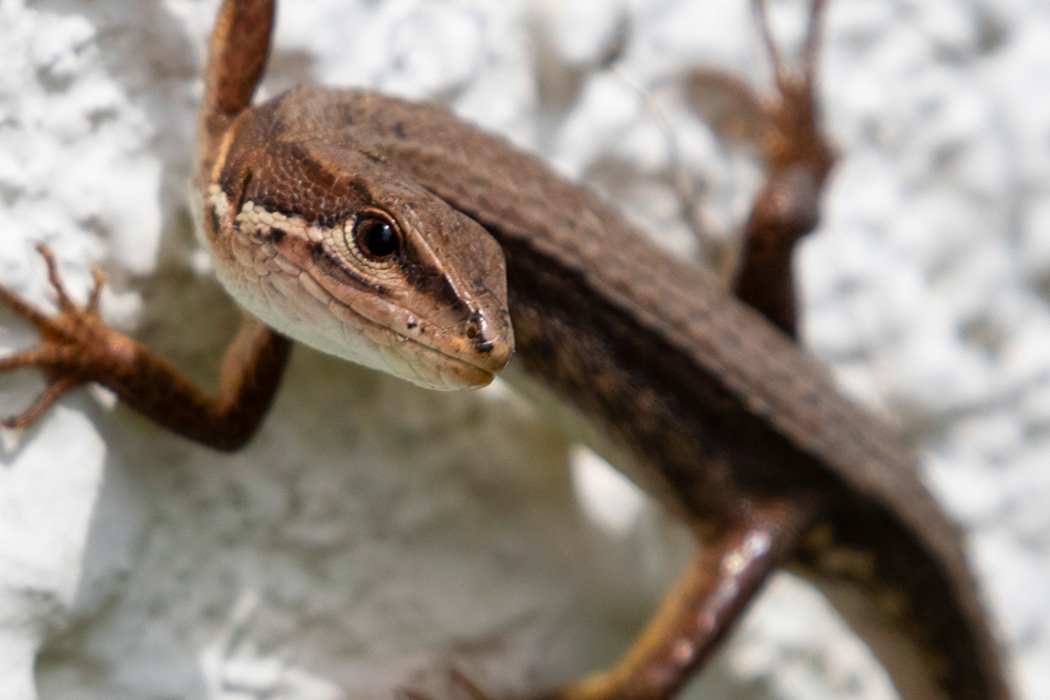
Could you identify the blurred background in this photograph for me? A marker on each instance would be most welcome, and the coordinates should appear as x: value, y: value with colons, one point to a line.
x: 374, y: 533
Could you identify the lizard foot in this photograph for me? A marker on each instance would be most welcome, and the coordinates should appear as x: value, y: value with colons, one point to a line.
x: 72, y: 340
x: 78, y: 347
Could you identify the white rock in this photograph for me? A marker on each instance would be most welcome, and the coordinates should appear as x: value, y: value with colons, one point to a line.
x: 373, y: 533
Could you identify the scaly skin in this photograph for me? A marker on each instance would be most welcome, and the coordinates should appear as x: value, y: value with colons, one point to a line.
x: 394, y: 234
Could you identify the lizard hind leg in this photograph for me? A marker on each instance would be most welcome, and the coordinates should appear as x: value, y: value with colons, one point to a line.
x: 709, y: 597
x: 696, y: 614
x: 799, y: 159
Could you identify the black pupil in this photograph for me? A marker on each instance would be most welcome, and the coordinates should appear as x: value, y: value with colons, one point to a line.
x: 377, y: 237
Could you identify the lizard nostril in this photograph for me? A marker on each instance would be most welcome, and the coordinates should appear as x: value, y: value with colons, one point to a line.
x: 476, y: 333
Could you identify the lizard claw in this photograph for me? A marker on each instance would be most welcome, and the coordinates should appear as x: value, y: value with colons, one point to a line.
x: 462, y: 681
x: 65, y: 304
x: 459, y: 685
x: 54, y: 391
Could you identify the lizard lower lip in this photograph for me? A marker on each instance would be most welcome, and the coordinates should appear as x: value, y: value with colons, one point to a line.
x: 483, y: 368
x: 465, y: 373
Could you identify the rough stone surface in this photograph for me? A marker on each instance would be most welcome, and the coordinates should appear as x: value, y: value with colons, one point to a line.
x: 375, y: 533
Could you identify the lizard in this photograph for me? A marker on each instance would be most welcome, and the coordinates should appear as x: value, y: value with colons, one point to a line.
x: 392, y: 234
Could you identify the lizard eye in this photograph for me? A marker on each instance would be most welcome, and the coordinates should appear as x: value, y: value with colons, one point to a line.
x: 376, y: 235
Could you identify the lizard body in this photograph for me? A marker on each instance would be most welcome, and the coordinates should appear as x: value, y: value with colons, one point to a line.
x: 367, y: 227
x: 718, y: 407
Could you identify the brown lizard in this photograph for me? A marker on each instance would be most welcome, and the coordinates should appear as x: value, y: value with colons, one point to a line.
x: 392, y: 234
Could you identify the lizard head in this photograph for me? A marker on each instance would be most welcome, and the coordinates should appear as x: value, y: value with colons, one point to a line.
x: 346, y: 254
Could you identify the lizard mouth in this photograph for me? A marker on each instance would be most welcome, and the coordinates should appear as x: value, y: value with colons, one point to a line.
x: 421, y: 357
x: 358, y: 325
x: 452, y: 367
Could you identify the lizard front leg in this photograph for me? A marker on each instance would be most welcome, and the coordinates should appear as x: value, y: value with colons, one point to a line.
x: 79, y: 348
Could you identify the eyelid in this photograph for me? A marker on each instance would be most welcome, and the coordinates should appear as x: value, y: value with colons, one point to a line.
x: 352, y: 242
